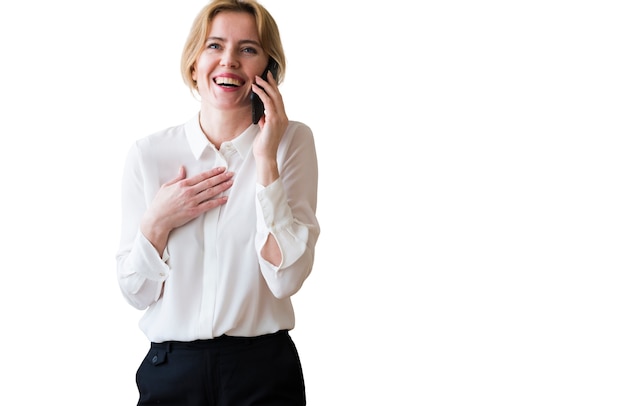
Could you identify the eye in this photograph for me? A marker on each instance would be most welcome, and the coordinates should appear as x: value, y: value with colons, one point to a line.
x: 213, y: 45
x: 249, y: 50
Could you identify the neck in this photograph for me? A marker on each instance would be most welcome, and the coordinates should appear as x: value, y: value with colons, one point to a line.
x: 221, y: 125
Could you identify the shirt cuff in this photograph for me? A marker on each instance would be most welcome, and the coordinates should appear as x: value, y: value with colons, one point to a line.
x: 274, y: 216
x: 273, y: 212
x: 145, y: 260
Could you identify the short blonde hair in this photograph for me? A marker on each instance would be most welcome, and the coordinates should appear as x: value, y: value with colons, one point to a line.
x: 266, y: 26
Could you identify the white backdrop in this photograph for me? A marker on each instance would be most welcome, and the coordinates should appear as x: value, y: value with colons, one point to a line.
x: 471, y: 196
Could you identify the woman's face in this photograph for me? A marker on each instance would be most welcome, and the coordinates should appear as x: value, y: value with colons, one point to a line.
x: 232, y: 57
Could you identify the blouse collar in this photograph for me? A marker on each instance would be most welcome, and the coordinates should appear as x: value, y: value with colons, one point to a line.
x: 198, y: 142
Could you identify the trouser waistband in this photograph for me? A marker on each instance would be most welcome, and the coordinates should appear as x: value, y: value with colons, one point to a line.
x: 214, y: 343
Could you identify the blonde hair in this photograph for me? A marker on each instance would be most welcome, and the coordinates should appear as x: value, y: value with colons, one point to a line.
x: 266, y: 26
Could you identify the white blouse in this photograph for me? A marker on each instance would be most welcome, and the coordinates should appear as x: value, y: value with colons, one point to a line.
x: 212, y: 279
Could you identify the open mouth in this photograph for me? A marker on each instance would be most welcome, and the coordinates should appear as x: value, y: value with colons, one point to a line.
x: 227, y: 82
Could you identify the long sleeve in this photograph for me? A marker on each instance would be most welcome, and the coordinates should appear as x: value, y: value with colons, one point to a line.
x: 140, y: 270
x: 211, y: 279
x: 286, y: 209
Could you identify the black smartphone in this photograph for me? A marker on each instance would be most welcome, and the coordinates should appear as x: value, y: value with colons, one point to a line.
x: 257, y: 104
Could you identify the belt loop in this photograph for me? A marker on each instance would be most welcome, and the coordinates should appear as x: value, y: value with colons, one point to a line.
x: 168, y: 347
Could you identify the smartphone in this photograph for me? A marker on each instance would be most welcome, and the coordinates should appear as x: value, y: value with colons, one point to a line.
x: 257, y: 104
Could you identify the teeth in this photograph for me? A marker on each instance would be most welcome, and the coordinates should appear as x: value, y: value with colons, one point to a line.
x: 227, y: 81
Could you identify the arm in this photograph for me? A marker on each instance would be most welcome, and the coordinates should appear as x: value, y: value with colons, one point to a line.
x: 141, y: 271
x: 142, y: 257
x: 286, y: 163
x: 287, y: 227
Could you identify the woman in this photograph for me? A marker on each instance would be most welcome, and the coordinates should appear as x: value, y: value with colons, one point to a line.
x: 219, y: 225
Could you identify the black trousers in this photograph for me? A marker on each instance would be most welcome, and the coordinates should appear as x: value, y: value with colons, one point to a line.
x: 225, y: 371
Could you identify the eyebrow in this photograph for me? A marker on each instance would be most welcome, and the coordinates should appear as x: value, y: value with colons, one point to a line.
x: 242, y: 42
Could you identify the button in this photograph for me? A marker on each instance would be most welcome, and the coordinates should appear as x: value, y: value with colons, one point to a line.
x: 155, y: 359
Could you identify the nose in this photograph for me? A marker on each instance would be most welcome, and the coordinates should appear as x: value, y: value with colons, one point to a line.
x: 229, y: 59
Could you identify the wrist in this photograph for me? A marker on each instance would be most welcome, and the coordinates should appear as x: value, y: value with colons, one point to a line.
x: 267, y: 171
x: 154, y: 232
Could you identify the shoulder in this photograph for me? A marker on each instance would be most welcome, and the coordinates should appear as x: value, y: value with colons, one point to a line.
x: 299, y: 131
x: 164, y: 136
x: 297, y: 139
x: 159, y: 145
x: 298, y: 126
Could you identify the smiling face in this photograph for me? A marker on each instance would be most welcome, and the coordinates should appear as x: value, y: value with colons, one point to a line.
x: 232, y: 57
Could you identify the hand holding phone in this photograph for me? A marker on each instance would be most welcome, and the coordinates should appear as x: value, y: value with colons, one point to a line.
x: 257, y: 105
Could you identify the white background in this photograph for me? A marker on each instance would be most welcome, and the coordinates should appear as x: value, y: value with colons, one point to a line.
x: 471, y: 196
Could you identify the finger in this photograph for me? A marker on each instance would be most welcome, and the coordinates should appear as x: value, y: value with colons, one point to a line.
x: 211, y: 192
x: 202, y: 176
x: 264, y: 85
x: 259, y: 81
x: 211, y: 203
x: 215, y: 180
x: 268, y: 92
x: 211, y: 187
x: 271, y: 78
x: 260, y: 90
